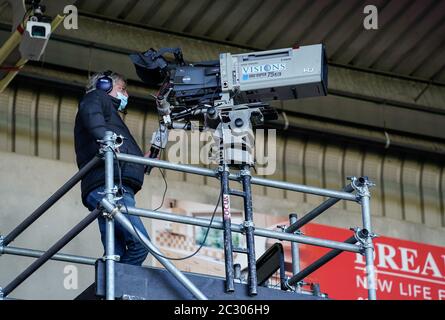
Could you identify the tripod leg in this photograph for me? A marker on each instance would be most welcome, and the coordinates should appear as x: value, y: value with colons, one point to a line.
x: 249, y: 228
x: 228, y: 251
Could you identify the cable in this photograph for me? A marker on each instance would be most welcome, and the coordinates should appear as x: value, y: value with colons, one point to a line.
x: 186, y: 112
x: 25, y: 16
x: 12, y: 68
x: 165, y: 190
x: 202, y: 243
x: 162, y: 203
x: 162, y: 173
x: 121, y: 186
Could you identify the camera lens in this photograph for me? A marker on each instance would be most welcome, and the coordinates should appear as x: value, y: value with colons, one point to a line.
x: 38, y: 31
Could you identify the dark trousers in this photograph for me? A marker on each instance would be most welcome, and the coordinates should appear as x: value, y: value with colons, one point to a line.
x: 129, y: 248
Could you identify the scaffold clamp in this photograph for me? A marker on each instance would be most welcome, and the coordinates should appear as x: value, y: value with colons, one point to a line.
x: 362, y: 236
x: 361, y: 185
x: 113, y: 257
x: 1, y: 245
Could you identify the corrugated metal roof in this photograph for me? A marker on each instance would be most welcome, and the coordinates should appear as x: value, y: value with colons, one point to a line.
x: 409, y: 40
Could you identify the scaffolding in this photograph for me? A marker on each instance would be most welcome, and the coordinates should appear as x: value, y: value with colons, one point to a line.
x: 357, y: 191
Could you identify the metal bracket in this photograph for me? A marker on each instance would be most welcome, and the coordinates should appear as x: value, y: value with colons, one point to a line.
x: 244, y: 172
x: 245, y: 225
x: 283, y: 228
x: 361, y: 185
x: 222, y: 168
x: 294, y: 288
x: 362, y: 236
x: 115, y: 199
x: 1, y: 294
x: 106, y: 214
x: 1, y: 247
x: 248, y: 224
x: 112, y: 213
x: 287, y: 285
x: 114, y: 257
x: 115, y: 140
x: 114, y: 190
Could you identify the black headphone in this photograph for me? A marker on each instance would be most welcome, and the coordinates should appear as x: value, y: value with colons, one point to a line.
x: 105, y: 82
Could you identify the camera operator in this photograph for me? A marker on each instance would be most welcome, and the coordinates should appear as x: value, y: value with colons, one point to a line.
x: 98, y: 112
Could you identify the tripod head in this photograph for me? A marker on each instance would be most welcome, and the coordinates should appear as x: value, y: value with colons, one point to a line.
x: 234, y: 134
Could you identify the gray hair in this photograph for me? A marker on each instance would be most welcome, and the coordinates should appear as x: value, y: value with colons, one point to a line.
x: 93, y: 79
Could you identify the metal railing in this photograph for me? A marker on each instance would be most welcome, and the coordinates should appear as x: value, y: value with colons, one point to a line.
x: 360, y: 242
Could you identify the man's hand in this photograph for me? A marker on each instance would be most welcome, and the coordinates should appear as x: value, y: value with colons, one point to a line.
x: 153, y: 153
x: 158, y: 142
x: 148, y: 155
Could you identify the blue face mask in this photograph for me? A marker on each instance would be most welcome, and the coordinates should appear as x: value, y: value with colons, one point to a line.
x: 124, y: 101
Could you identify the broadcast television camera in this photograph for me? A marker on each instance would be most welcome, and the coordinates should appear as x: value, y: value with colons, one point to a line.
x: 232, y: 92
x: 291, y: 73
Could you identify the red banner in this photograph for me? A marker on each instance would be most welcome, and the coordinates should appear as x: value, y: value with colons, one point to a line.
x: 405, y: 270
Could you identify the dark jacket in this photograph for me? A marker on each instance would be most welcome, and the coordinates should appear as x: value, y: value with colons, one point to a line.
x: 98, y: 113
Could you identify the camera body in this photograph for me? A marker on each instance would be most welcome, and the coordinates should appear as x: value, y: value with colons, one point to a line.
x: 281, y: 74
x: 197, y: 84
x: 231, y: 94
x: 38, y: 30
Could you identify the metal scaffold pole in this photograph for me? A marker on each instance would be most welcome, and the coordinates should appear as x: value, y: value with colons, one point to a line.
x: 249, y: 229
x: 227, y: 233
x: 362, y: 185
x: 255, y: 180
x: 110, y: 192
x: 319, y: 263
x: 38, y: 253
x: 240, y: 229
x: 295, y: 250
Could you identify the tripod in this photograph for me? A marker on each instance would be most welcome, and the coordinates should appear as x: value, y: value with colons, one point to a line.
x: 236, y: 146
